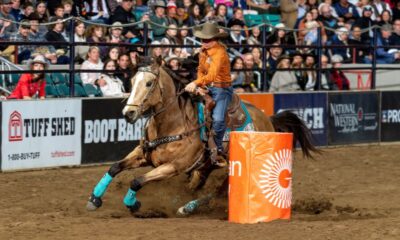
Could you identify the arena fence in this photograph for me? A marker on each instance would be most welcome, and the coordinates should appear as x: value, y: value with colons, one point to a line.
x: 264, y: 71
x: 79, y: 131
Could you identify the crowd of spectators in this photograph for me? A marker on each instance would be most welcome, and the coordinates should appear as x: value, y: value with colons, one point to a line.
x: 346, y: 25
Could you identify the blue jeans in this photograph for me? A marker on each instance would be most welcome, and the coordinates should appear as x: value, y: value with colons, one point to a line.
x: 222, y: 98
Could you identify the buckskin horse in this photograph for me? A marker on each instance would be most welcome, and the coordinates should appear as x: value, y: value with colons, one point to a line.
x: 172, y: 142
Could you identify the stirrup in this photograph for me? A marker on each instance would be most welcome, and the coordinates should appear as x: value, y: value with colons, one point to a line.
x: 218, y: 159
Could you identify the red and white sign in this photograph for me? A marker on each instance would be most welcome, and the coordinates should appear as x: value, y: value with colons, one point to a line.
x: 40, y: 134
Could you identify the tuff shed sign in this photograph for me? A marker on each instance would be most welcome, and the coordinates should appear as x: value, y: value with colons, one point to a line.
x: 41, y: 134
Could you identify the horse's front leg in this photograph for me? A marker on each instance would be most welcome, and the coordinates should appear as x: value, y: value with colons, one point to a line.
x: 162, y: 172
x: 134, y: 159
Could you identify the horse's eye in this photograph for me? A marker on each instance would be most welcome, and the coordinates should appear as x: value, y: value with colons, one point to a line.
x: 149, y: 83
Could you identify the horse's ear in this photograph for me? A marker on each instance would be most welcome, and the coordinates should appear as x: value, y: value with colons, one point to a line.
x: 159, y: 60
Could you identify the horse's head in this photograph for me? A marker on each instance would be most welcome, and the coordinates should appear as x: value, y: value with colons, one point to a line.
x: 146, y: 91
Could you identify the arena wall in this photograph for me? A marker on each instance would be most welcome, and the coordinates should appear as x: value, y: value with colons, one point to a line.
x: 65, y: 132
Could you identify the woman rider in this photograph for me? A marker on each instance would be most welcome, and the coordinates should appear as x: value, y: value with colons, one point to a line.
x: 215, y: 74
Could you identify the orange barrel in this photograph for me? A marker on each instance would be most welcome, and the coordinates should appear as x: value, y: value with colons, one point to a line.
x: 260, y: 170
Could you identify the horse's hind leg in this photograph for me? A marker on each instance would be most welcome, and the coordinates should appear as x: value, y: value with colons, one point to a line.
x: 162, y: 172
x: 134, y: 159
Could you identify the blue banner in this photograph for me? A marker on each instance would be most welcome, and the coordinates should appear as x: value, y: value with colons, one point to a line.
x: 311, y: 107
x: 390, y: 116
x: 353, y: 117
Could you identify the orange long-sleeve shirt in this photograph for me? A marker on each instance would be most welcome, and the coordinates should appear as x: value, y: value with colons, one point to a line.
x: 214, y: 66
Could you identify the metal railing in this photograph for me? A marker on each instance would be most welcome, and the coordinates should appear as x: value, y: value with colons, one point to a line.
x: 261, y: 74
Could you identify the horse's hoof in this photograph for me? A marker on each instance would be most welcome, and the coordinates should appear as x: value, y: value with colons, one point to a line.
x: 93, y: 203
x: 135, y: 207
x: 181, y: 212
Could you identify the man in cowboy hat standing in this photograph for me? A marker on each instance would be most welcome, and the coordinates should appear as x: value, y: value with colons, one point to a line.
x: 214, y: 72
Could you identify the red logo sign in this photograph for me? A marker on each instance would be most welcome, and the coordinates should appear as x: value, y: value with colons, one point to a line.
x: 15, y: 127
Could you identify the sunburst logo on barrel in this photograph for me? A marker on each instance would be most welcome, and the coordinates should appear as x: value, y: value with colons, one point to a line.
x: 276, y: 178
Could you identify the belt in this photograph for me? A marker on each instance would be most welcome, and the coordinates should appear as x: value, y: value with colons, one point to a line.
x: 221, y: 84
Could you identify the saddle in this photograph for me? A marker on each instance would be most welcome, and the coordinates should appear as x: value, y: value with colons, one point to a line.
x: 235, y: 116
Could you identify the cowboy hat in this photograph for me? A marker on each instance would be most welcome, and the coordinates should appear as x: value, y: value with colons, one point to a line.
x: 116, y: 25
x: 159, y: 3
x: 38, y: 59
x: 282, y: 57
x: 208, y: 31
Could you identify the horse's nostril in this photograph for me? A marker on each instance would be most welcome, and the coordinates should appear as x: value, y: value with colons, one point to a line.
x: 130, y: 115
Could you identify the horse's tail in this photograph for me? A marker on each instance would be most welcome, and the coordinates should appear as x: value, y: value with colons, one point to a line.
x: 287, y: 121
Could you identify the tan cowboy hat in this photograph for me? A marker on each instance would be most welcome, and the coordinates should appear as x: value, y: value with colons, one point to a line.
x: 208, y: 31
x: 39, y: 59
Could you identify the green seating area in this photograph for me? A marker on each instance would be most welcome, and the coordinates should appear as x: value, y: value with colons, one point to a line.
x: 57, y: 86
x: 252, y: 19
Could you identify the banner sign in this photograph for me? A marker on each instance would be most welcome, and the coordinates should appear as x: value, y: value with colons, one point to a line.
x: 390, y: 118
x: 106, y: 136
x: 38, y: 134
x: 353, y: 117
x: 311, y: 107
x: 1, y: 137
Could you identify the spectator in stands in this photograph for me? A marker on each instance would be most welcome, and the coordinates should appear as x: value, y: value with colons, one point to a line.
x: 289, y: 10
x: 302, y: 8
x: 79, y: 36
x: 337, y: 76
x: 97, y: 11
x: 308, y: 29
x: 170, y: 39
x: 237, y: 15
x: 250, y: 77
x: 220, y: 15
x: 115, y: 35
x: 41, y: 10
x: 95, y: 34
x: 358, y: 53
x: 257, y: 52
x: 360, y: 5
x: 67, y: 4
x: 27, y: 9
x: 327, y: 19
x: 55, y: 35
x: 346, y: 10
x: 195, y: 18
x: 123, y: 14
x: 237, y: 75
x: 284, y: 81
x: 281, y: 36
x: 272, y: 59
x: 173, y: 63
x: 235, y: 34
x: 297, y: 64
x: 366, y: 22
x: 255, y: 36
x: 31, y: 85
x: 183, y: 39
x: 113, y: 54
x: 341, y: 40
x: 24, y: 51
x: 326, y: 80
x: 205, y: 8
x: 182, y: 15
x: 395, y: 37
x: 171, y: 13
x: 93, y: 62
x: 110, y: 85
x: 386, y: 18
x: 8, y: 27
x: 311, y: 75
x: 383, y: 53
x: 59, y: 11
x: 15, y: 9
x: 125, y: 71
x: 379, y: 6
x: 160, y: 19
x: 156, y: 51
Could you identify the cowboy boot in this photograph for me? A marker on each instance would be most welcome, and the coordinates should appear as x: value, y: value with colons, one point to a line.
x: 217, y: 159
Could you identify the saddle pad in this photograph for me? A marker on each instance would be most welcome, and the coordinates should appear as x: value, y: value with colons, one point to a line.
x: 247, y: 125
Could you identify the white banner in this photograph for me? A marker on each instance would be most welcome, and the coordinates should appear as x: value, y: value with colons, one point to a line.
x: 38, y: 134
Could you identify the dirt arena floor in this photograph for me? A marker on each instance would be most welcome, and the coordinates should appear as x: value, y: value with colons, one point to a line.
x: 347, y: 193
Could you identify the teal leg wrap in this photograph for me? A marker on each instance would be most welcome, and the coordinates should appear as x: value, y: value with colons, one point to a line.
x: 101, y: 187
x: 130, y: 198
